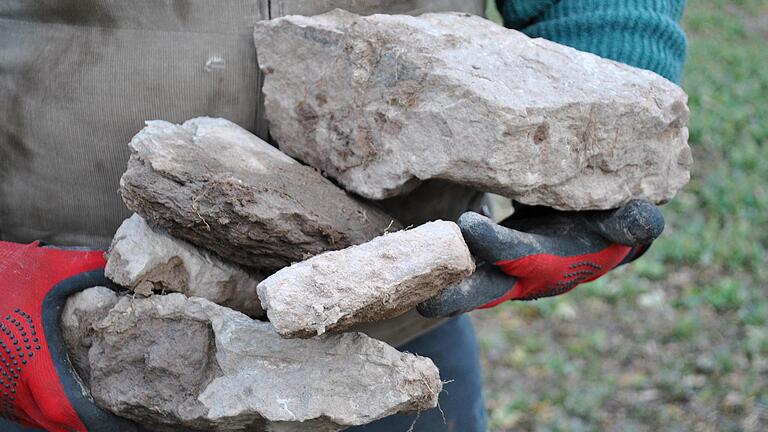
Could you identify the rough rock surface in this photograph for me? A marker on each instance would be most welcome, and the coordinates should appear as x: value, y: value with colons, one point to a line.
x: 216, y: 185
x: 146, y: 260
x: 374, y: 281
x: 81, y: 311
x: 186, y: 364
x: 382, y: 102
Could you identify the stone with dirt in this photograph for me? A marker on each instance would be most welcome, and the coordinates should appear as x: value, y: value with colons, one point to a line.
x: 147, y: 260
x: 175, y: 363
x: 216, y: 185
x: 80, y: 312
x: 384, y: 102
x: 374, y: 281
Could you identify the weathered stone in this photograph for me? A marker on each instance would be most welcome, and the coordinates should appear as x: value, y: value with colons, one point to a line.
x: 374, y: 281
x: 80, y: 312
x: 185, y: 364
x: 146, y: 260
x: 383, y: 102
x: 220, y: 187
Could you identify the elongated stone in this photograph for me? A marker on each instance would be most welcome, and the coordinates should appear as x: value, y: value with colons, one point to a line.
x: 383, y: 102
x: 374, y: 281
x: 175, y: 363
x: 216, y: 185
x: 147, y: 260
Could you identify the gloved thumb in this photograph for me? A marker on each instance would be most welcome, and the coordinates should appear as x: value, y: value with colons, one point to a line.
x: 637, y: 223
x: 493, y: 243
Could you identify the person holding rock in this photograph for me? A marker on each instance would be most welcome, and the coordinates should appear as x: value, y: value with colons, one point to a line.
x: 79, y: 78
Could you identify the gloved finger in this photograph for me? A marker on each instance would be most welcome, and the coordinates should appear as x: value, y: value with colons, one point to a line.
x: 493, y: 243
x: 637, y: 223
x: 487, y: 284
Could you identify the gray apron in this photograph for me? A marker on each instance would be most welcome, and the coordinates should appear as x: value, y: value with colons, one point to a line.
x: 78, y: 78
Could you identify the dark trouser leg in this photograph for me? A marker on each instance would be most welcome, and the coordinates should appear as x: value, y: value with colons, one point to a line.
x: 7, y: 426
x: 453, y: 347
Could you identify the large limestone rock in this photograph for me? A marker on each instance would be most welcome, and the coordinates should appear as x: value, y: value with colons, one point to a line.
x: 185, y: 364
x: 216, y: 185
x: 146, y: 260
x: 374, y: 281
x: 383, y: 102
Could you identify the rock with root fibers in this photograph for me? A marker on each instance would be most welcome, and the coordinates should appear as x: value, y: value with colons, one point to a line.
x: 383, y: 102
x: 80, y: 312
x: 218, y: 186
x: 374, y: 281
x: 146, y: 260
x: 175, y: 363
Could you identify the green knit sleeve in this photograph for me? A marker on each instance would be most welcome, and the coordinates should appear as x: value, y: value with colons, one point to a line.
x: 641, y: 33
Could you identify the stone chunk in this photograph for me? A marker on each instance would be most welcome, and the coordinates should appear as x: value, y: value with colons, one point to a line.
x: 147, y: 260
x: 81, y: 311
x: 175, y: 363
x: 374, y: 281
x: 383, y: 102
x: 218, y: 186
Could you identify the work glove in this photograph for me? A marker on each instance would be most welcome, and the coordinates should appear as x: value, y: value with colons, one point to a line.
x: 544, y: 254
x: 38, y: 386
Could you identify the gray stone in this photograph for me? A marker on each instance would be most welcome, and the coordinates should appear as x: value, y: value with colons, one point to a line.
x: 80, y: 312
x: 374, y: 281
x: 216, y: 185
x: 175, y: 363
x: 146, y: 260
x: 383, y: 102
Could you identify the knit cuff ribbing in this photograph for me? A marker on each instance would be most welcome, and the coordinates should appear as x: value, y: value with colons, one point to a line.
x: 641, y: 33
x: 518, y: 14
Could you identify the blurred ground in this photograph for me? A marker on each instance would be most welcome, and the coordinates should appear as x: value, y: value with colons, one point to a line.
x: 677, y: 341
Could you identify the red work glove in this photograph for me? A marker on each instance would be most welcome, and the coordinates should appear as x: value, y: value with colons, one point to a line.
x: 545, y: 254
x: 38, y: 387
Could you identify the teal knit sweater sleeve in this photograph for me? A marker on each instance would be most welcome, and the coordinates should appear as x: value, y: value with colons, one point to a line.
x: 641, y: 33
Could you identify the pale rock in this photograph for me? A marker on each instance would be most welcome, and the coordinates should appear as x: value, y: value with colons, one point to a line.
x: 374, y: 281
x: 80, y: 312
x: 174, y: 363
x: 145, y: 259
x: 383, y: 102
x: 216, y: 185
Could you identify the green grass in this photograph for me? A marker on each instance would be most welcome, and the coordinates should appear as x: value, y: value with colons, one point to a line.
x: 678, y: 340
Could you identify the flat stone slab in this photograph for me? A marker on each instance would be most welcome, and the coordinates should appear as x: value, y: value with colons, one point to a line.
x: 383, y: 102
x: 146, y: 260
x: 374, y: 281
x: 175, y: 363
x: 216, y: 185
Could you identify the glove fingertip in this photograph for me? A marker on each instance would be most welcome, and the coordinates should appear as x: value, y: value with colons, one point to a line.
x: 643, y: 220
x: 471, y: 222
x: 480, y: 234
x: 637, y: 223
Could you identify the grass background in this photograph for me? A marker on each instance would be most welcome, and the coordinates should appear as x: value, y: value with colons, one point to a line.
x: 677, y: 341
